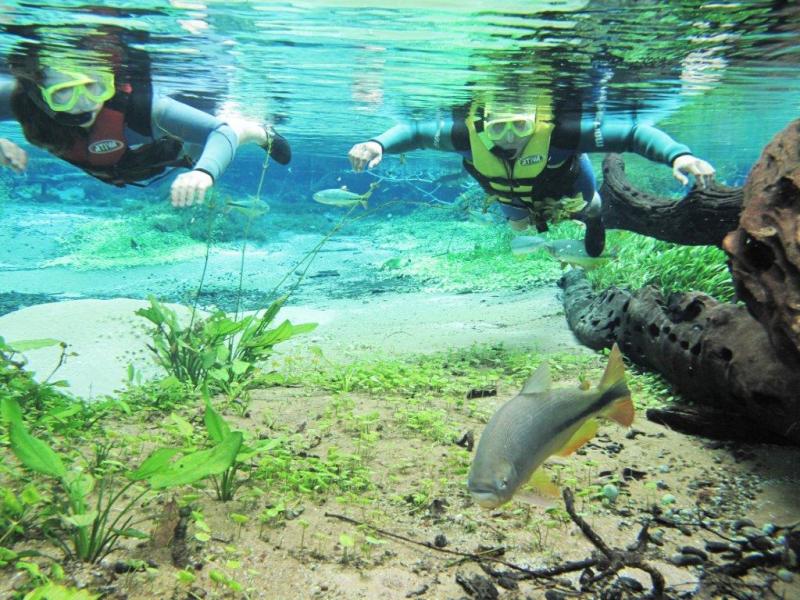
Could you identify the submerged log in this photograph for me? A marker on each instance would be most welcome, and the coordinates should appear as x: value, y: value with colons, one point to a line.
x: 765, y: 249
x: 701, y: 218
x: 714, y: 354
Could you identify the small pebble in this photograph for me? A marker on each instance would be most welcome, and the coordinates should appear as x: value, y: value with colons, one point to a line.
x: 716, y: 547
x: 694, y: 551
x: 668, y: 499
x: 739, y: 523
x: 632, y: 584
x: 685, y: 560
x: 768, y: 528
x: 785, y: 575
x: 752, y: 559
x: 610, y: 492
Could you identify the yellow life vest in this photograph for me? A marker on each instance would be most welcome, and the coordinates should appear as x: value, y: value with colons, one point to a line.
x: 509, y: 180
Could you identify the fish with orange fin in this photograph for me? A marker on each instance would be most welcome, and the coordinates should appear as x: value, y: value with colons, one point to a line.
x: 542, y: 421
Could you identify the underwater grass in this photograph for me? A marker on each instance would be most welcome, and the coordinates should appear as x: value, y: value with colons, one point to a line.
x: 645, y: 261
x: 461, y: 255
x: 125, y: 242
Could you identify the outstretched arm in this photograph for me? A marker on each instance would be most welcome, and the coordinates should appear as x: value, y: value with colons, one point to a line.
x: 403, y: 137
x: 648, y: 141
x: 218, y: 139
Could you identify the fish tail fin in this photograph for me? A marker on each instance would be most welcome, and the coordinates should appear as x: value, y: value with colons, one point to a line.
x: 364, y: 203
x: 615, y: 390
x: 615, y: 370
x: 621, y: 410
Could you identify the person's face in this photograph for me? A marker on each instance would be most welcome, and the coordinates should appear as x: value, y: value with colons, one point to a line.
x: 74, y: 92
x: 511, y: 132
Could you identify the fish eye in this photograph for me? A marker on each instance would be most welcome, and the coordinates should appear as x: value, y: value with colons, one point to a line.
x: 504, y: 484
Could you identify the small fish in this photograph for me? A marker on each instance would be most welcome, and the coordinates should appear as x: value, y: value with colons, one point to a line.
x: 573, y: 253
x: 451, y: 177
x: 251, y: 207
x: 525, y: 244
x: 343, y: 197
x: 542, y: 421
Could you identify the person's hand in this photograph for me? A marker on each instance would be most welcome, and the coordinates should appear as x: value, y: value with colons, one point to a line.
x: 367, y: 154
x: 189, y: 188
x: 13, y: 156
x: 703, y: 172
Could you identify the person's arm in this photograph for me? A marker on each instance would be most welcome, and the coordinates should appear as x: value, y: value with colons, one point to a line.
x: 194, y: 126
x: 217, y: 138
x: 616, y: 135
x: 621, y: 136
x: 441, y: 134
x: 415, y: 135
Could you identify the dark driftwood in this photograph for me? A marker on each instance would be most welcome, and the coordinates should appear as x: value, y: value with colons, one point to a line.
x: 701, y: 218
x: 711, y: 423
x: 765, y: 249
x: 714, y: 354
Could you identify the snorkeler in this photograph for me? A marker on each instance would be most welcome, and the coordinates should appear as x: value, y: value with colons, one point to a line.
x: 532, y: 159
x: 117, y: 129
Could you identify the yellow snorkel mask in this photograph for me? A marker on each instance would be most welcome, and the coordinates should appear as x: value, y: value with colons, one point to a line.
x: 521, y: 125
x: 65, y: 95
x: 532, y: 118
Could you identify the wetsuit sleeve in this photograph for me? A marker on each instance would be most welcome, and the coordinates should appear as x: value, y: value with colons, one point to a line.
x: 7, y: 85
x: 181, y: 121
x: 617, y: 136
x: 415, y: 135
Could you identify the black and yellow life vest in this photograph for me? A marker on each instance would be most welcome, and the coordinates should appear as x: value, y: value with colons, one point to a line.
x: 104, y: 152
x: 526, y: 179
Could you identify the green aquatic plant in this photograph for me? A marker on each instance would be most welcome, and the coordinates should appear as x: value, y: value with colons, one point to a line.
x: 217, y: 350
x: 89, y: 508
x: 227, y: 483
x: 55, y: 591
x: 91, y: 528
x: 19, y: 384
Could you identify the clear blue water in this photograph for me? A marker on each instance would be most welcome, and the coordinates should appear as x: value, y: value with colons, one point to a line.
x: 721, y: 77
x: 333, y: 72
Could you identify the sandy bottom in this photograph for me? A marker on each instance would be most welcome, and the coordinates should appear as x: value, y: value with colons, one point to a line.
x: 104, y: 336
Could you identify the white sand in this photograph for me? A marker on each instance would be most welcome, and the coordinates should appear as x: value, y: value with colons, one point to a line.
x: 105, y: 336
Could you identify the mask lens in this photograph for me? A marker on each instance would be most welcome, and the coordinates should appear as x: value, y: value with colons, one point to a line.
x: 522, y: 127
x: 64, y: 96
x: 496, y: 130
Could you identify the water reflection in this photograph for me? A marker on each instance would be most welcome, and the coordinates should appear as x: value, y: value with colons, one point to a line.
x: 365, y: 64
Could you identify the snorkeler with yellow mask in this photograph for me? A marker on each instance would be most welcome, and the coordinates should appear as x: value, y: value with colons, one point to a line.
x: 118, y: 130
x: 534, y: 160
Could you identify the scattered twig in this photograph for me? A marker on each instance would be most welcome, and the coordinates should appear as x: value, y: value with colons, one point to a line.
x: 616, y: 559
x: 531, y: 573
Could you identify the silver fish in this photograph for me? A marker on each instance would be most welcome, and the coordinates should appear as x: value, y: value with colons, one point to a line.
x: 525, y: 244
x: 542, y: 421
x: 342, y: 197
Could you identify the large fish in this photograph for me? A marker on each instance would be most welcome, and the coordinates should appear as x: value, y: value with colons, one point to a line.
x: 542, y: 421
x: 342, y: 197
